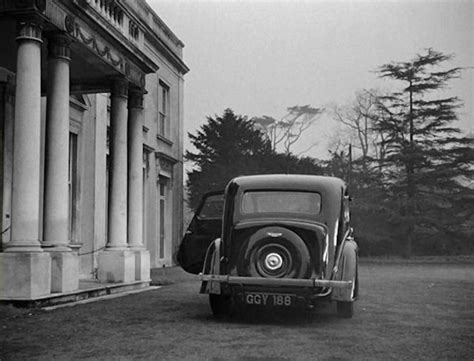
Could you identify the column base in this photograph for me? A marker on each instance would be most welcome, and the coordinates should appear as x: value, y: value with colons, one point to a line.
x: 25, y: 275
x: 142, y: 265
x: 116, y: 266
x: 64, y: 271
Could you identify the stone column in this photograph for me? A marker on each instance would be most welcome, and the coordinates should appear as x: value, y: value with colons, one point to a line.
x: 7, y: 109
x: 25, y: 269
x: 117, y: 262
x: 56, y: 198
x: 135, y: 185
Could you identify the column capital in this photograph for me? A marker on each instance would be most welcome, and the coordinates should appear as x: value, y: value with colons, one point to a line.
x: 120, y: 87
x: 58, y: 46
x: 30, y: 28
x: 135, y: 98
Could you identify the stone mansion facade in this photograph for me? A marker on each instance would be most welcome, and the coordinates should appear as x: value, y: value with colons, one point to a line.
x: 91, y: 122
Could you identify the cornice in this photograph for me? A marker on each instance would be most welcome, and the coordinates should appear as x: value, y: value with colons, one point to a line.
x: 154, y: 38
x: 164, y: 49
x: 167, y: 157
x: 80, y: 11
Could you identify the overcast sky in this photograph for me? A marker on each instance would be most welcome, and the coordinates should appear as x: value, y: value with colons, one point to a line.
x: 258, y: 58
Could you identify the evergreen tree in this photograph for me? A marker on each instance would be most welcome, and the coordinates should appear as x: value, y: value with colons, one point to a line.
x: 427, y: 158
x: 227, y: 146
x: 230, y: 146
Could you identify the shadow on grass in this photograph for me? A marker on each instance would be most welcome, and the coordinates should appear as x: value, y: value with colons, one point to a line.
x: 323, y: 315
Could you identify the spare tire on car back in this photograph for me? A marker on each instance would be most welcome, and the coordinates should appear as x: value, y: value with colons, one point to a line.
x: 275, y: 252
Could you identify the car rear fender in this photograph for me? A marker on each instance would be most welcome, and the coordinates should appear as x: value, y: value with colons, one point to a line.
x: 346, y: 269
x: 212, y: 265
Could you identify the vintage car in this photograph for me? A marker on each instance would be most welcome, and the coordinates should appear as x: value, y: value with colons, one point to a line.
x: 285, y: 242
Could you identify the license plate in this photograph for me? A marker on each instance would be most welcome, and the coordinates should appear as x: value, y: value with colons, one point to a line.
x: 269, y: 299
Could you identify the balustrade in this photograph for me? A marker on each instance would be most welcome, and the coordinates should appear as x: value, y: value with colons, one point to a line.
x: 110, y: 10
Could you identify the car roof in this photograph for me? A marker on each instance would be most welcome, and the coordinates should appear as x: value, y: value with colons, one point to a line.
x: 322, y: 184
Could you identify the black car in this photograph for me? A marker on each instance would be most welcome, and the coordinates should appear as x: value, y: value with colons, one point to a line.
x: 285, y: 242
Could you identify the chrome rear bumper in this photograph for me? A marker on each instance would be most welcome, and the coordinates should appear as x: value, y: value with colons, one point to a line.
x: 262, y: 281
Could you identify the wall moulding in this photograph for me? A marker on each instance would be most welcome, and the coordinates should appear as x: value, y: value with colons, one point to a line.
x: 165, y: 164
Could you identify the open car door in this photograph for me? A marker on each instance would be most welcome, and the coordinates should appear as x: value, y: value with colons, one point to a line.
x: 205, y: 227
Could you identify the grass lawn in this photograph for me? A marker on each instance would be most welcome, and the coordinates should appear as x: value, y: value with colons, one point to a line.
x: 408, y: 310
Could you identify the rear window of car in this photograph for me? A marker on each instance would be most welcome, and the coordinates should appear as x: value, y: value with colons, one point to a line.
x: 280, y: 202
x: 212, y: 207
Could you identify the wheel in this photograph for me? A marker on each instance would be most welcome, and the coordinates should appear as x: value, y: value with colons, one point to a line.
x: 275, y: 252
x: 220, y: 304
x: 345, y: 309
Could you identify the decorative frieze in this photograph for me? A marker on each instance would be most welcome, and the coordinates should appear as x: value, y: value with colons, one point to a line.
x: 103, y: 50
x: 82, y: 34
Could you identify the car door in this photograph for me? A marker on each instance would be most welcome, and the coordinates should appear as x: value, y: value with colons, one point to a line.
x: 205, y: 226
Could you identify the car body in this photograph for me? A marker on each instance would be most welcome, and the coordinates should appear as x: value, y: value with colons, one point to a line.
x: 286, y: 242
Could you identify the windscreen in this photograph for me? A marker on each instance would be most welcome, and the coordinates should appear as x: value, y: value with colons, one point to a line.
x: 281, y: 202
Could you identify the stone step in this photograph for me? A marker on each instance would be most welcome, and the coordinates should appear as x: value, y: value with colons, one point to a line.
x: 87, y: 289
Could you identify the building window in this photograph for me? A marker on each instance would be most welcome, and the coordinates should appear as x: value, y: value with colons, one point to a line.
x: 146, y: 171
x: 72, y: 184
x: 162, y: 197
x: 163, y: 116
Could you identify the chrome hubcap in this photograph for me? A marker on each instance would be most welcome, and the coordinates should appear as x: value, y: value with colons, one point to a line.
x: 273, y: 261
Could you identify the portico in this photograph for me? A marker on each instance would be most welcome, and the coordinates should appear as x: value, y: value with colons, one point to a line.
x: 66, y: 48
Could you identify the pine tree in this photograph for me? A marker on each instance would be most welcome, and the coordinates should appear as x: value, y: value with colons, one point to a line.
x: 427, y: 159
x: 227, y: 146
x: 231, y: 146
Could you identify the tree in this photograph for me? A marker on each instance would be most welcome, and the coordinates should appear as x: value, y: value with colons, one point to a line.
x: 370, y: 213
x: 359, y: 118
x: 425, y: 155
x: 227, y: 146
x: 230, y: 146
x: 288, y: 130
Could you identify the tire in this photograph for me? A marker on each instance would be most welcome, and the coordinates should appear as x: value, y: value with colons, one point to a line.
x: 220, y: 304
x: 275, y: 252
x: 345, y: 309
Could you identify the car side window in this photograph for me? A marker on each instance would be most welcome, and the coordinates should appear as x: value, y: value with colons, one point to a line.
x: 212, y: 207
